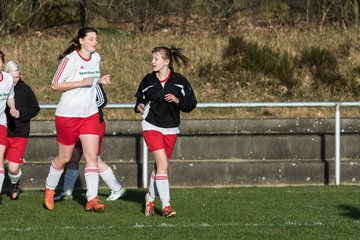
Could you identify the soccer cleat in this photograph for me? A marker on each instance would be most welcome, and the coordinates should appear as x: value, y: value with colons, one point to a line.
x: 63, y: 196
x: 149, y: 207
x: 49, y: 199
x: 15, y: 191
x: 168, y: 212
x: 95, y: 205
x: 115, y: 195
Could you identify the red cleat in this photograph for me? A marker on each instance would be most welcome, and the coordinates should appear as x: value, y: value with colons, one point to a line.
x: 168, y: 212
x: 95, y: 205
x: 149, y: 208
x: 49, y: 199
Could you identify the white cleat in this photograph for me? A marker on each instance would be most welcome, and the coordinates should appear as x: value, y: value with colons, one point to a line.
x: 115, y: 195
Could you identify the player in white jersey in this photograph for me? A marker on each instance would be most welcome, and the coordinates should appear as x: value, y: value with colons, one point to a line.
x: 6, y: 97
x: 76, y: 116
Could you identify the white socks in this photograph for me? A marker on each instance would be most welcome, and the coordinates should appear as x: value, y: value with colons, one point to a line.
x: 15, y: 178
x: 153, y: 192
x: 53, y: 177
x: 110, y: 179
x: 71, y: 176
x: 162, y: 184
x: 92, y: 182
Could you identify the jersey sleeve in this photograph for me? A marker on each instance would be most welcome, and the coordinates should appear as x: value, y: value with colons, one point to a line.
x: 140, y: 95
x: 11, y: 93
x: 189, y: 102
x: 31, y: 108
x: 63, y: 72
x: 101, y: 99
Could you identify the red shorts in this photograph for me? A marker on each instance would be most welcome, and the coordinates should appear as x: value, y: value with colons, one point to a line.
x: 69, y: 128
x: 3, y: 135
x: 156, y: 140
x: 15, y: 149
x: 102, y: 130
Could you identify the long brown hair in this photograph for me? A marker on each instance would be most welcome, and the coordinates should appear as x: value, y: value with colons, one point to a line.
x: 75, y: 42
x: 173, y: 54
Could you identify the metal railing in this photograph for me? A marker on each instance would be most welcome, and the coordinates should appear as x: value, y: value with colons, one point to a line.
x: 336, y: 105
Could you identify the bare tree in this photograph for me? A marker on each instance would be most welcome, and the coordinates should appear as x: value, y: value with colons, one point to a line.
x: 223, y: 11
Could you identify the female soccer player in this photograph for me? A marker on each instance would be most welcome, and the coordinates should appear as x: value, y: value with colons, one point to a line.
x: 76, y: 115
x: 105, y: 172
x: 18, y: 128
x: 161, y: 96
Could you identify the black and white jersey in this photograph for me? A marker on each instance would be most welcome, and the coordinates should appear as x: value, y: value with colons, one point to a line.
x: 158, y: 111
x: 101, y: 100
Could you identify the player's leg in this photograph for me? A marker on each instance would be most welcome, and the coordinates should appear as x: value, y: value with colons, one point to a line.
x: 159, y: 148
x: 14, y: 154
x: 90, y: 144
x: 56, y: 170
x: 152, y: 141
x: 89, y: 137
x: 67, y: 135
x: 169, y: 143
x: 3, y: 139
x: 14, y: 173
x: 162, y: 182
x: 108, y: 176
x: 2, y: 171
x: 71, y: 174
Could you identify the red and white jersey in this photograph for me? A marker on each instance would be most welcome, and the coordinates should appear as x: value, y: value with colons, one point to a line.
x: 78, y: 102
x: 6, y: 92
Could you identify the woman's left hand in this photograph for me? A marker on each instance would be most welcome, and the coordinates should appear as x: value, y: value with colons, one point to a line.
x: 105, y: 79
x: 171, y: 98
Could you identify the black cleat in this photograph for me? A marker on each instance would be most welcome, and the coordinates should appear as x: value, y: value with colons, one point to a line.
x: 15, y: 191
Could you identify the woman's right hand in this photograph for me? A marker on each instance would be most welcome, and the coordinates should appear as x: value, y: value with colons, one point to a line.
x: 87, y: 82
x: 14, y: 113
x: 140, y: 108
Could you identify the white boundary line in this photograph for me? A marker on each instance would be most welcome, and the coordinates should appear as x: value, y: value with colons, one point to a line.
x: 166, y: 225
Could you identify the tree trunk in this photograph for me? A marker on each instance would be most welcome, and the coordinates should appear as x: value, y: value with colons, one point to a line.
x: 83, y: 13
x: 307, y: 12
x: 356, y: 13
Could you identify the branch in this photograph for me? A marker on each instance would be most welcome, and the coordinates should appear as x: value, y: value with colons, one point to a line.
x: 8, y: 17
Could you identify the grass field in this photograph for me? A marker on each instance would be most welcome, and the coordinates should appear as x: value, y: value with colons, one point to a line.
x: 316, y: 212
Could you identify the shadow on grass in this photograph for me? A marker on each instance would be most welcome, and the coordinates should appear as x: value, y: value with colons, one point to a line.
x: 132, y: 195
x: 137, y: 196
x: 349, y: 211
x: 78, y: 196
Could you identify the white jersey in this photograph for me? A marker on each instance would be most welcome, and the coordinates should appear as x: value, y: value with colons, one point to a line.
x: 6, y: 92
x: 78, y: 102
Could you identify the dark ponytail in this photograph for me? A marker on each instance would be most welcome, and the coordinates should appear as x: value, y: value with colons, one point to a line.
x: 74, y: 44
x: 2, y: 57
x: 173, y: 54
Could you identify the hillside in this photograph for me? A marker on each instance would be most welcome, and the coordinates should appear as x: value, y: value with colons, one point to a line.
x: 254, y: 62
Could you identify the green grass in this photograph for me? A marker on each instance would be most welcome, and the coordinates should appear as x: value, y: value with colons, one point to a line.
x: 316, y: 212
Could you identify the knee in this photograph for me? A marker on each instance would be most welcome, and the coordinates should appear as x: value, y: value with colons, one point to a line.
x: 62, y: 160
x: 91, y: 157
x: 162, y: 168
x: 13, y: 169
